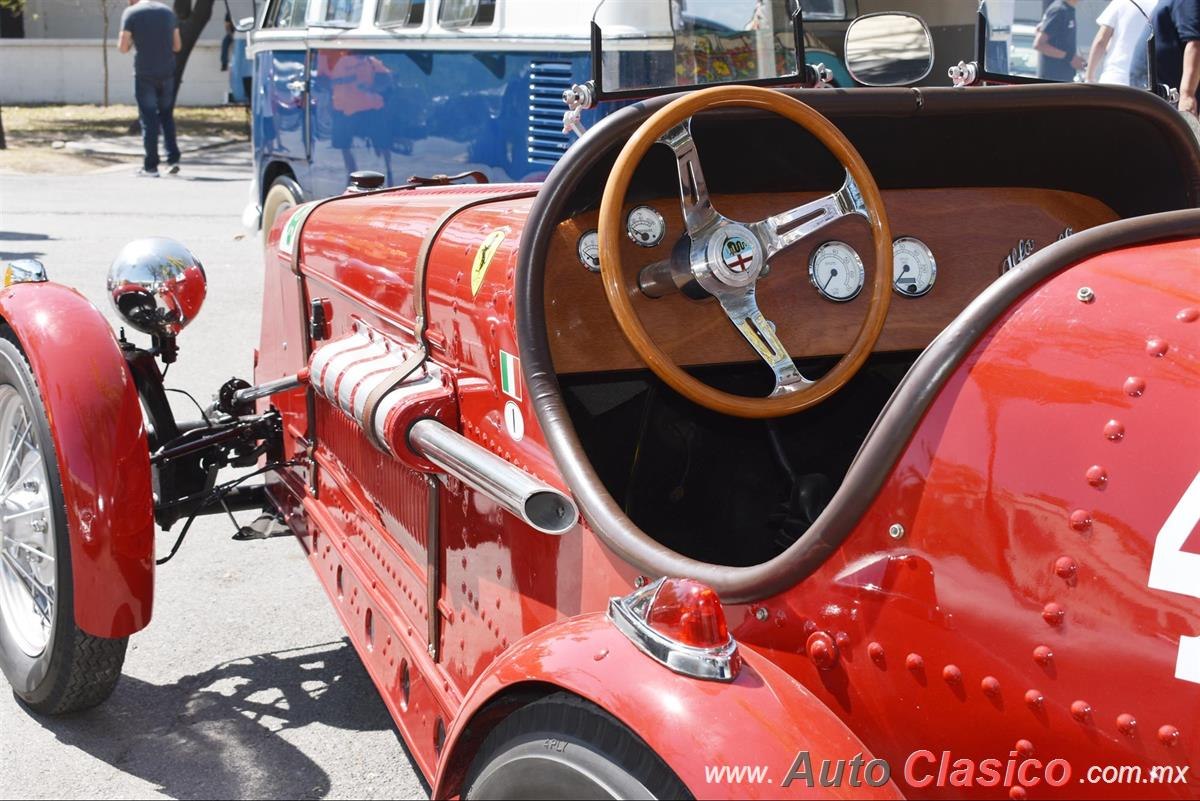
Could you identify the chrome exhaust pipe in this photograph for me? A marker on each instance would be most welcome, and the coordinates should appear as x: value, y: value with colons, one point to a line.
x: 538, y: 504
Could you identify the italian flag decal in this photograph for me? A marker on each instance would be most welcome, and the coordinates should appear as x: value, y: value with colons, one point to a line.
x: 510, y: 374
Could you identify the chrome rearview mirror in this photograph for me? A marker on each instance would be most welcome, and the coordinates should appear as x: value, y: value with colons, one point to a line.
x: 889, y: 49
x: 157, y: 286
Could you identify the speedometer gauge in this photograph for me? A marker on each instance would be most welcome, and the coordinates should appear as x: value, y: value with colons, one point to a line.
x: 645, y: 226
x: 913, y: 267
x: 836, y: 271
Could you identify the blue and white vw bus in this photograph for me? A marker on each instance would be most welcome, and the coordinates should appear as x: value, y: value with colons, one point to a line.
x: 426, y: 87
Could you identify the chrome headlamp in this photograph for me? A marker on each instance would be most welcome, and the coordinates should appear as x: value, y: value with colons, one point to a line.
x: 157, y: 286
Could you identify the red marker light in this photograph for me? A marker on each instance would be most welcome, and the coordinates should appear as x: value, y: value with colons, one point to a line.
x: 688, y: 612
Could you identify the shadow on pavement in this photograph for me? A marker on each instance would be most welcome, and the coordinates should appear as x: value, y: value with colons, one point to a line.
x: 216, y: 734
x: 21, y: 236
x: 13, y: 255
x: 185, y: 177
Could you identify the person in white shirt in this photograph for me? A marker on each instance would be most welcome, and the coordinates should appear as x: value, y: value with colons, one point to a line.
x: 1119, y: 49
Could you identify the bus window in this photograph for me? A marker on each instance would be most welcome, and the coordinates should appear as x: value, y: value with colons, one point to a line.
x: 400, y: 13
x: 343, y: 12
x: 824, y: 9
x: 287, y: 14
x: 466, y: 13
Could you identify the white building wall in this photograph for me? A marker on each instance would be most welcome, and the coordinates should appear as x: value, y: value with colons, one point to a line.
x: 82, y: 19
x: 71, y: 71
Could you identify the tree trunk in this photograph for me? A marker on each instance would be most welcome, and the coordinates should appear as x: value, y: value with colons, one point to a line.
x: 3, y: 143
x: 192, y: 19
x: 104, y: 48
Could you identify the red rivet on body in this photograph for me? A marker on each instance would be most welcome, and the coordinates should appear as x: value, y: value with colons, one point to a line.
x: 1168, y: 735
x: 1156, y: 347
x: 1081, y: 519
x: 952, y: 674
x: 842, y: 639
x: 1053, y: 614
x: 1034, y: 699
x: 1188, y: 315
x: 1113, y: 430
x: 1097, y: 476
x: 1017, y: 793
x: 603, y: 652
x: 1025, y: 748
x: 1081, y: 710
x: 1065, y: 567
x: 990, y: 685
x: 914, y: 662
x: 822, y: 650
x: 1135, y: 386
x: 1043, y: 655
x: 1126, y: 724
x: 875, y: 651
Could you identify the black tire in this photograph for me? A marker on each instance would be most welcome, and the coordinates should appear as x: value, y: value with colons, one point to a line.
x: 283, y: 194
x: 564, y: 747
x: 74, y: 670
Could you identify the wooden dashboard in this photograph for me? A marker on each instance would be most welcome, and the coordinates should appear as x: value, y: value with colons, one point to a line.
x: 971, y: 231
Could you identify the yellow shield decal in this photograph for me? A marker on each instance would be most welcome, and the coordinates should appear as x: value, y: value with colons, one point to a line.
x: 483, y: 258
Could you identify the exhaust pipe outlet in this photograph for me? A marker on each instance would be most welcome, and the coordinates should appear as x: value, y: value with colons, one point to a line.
x: 541, y: 506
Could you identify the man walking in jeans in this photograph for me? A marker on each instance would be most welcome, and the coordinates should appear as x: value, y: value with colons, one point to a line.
x: 152, y: 29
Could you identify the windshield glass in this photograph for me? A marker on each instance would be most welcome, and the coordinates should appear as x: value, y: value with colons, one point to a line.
x: 656, y: 43
x: 1096, y: 41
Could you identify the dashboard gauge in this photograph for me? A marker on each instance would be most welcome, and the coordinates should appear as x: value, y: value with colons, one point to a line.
x: 645, y: 226
x: 913, y: 267
x: 836, y: 271
x: 588, y: 249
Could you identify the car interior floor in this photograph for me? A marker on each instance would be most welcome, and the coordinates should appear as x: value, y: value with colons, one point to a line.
x: 720, y: 489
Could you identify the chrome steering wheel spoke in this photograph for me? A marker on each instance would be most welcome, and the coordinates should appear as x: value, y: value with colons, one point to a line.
x: 742, y: 310
x: 781, y: 231
x: 699, y: 215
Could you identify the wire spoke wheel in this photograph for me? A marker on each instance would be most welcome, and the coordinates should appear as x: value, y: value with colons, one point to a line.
x: 28, y: 590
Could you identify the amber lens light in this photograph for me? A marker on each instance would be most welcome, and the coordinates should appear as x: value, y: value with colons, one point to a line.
x: 689, y: 613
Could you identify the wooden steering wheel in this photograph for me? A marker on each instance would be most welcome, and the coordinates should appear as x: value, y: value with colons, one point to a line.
x: 727, y: 257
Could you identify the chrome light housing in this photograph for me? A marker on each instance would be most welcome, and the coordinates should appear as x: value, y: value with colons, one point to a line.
x: 24, y: 271
x: 666, y: 621
x: 157, y: 286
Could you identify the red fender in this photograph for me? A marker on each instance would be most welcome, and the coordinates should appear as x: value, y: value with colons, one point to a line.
x: 100, y: 440
x: 764, y: 717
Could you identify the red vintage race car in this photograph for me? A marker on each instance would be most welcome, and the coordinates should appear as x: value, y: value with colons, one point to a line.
x: 681, y: 474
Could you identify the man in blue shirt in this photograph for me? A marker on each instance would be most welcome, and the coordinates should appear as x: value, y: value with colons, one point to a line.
x: 1177, y: 50
x: 152, y: 30
x: 1056, y: 42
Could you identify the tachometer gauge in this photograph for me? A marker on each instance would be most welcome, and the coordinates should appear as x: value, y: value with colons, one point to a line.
x: 913, y: 267
x: 645, y: 226
x: 836, y: 271
x: 588, y: 249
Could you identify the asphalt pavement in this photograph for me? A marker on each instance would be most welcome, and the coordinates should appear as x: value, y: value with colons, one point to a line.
x: 244, y: 685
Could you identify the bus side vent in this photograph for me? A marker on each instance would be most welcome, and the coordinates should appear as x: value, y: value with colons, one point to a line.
x: 547, y: 82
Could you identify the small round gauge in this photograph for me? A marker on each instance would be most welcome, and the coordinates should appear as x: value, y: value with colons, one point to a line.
x: 913, y: 267
x: 588, y: 249
x: 645, y: 226
x: 836, y: 271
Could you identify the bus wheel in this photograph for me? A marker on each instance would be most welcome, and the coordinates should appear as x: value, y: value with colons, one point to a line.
x: 284, y: 194
x: 564, y: 747
x: 52, y: 665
